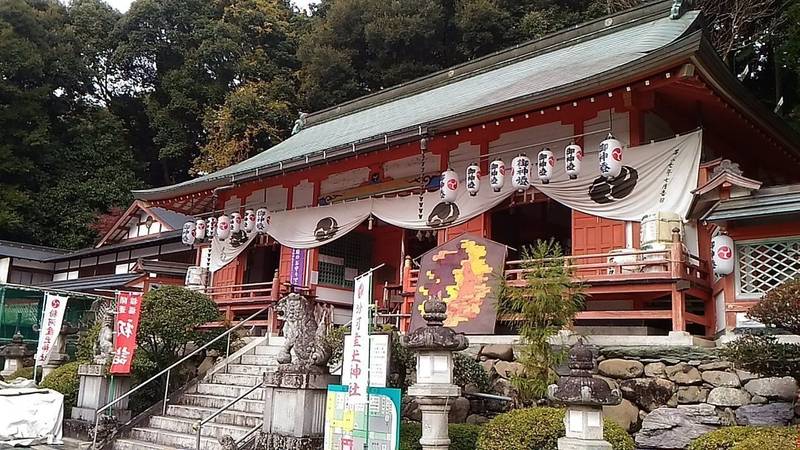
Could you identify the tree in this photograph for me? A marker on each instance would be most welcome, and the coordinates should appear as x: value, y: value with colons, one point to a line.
x: 541, y: 308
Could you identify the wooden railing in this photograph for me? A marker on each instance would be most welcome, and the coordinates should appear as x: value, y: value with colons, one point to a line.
x: 242, y: 299
x: 672, y: 272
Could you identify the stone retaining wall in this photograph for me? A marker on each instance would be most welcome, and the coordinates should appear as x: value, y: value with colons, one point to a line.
x: 671, y: 394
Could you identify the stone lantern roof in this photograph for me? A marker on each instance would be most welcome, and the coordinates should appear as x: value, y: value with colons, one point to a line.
x: 579, y: 387
x: 435, y: 336
x: 17, y: 348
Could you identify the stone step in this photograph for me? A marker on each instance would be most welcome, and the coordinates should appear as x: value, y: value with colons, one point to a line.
x: 216, y: 402
x: 271, y: 349
x: 171, y: 439
x: 133, y: 444
x: 236, y: 379
x: 248, y: 369
x: 238, y: 418
x: 187, y: 426
x: 227, y: 390
x: 259, y: 360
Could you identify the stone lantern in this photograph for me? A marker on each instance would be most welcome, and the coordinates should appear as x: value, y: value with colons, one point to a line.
x: 434, y: 389
x: 15, y: 352
x: 584, y: 397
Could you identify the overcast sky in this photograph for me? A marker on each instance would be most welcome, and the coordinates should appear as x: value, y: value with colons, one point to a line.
x: 123, y: 5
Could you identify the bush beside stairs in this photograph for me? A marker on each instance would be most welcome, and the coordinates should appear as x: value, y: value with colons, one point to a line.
x: 175, y: 430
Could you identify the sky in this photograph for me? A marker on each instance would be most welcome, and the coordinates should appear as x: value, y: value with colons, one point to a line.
x: 123, y: 5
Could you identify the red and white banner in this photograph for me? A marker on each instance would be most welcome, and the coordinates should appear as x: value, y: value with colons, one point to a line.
x: 54, y: 308
x: 129, y: 305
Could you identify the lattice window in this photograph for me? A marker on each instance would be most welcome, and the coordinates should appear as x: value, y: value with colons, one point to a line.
x: 343, y: 259
x: 764, y: 265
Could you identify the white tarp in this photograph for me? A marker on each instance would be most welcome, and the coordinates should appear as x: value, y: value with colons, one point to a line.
x: 656, y: 177
x: 30, y: 416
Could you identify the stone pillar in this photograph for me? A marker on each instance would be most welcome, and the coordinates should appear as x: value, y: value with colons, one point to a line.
x: 434, y: 389
x: 95, y: 391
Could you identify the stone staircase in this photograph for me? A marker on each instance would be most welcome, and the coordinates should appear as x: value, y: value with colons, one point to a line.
x: 174, y: 430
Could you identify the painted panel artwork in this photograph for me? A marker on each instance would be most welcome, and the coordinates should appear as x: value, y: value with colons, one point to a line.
x: 465, y: 272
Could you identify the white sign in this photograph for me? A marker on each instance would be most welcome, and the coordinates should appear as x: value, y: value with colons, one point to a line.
x: 50, y: 327
x: 358, y: 356
x: 378, y: 360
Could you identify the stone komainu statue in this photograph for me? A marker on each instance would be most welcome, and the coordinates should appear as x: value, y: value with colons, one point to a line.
x: 103, y: 347
x: 306, y: 325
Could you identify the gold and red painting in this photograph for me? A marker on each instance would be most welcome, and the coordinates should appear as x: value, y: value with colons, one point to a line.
x: 466, y: 273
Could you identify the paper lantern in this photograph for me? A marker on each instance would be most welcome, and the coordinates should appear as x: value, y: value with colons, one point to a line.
x: 722, y: 254
x: 187, y: 236
x: 200, y: 229
x: 473, y: 179
x: 249, y: 221
x: 573, y: 155
x: 545, y: 165
x: 262, y: 220
x: 521, y: 173
x: 448, y: 186
x: 497, y: 174
x: 610, y: 157
x: 223, y: 227
x: 211, y: 227
x: 236, y: 222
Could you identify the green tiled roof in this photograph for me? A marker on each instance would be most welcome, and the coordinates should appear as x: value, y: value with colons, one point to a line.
x: 525, y: 71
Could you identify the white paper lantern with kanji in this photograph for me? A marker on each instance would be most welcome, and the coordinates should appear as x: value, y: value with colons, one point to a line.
x: 473, y: 179
x: 545, y: 165
x: 236, y: 222
x: 223, y: 227
x: 200, y: 229
x: 211, y: 227
x: 521, y: 173
x: 262, y: 220
x: 448, y: 186
x: 187, y: 236
x: 573, y: 156
x: 249, y: 221
x: 610, y: 157
x: 497, y: 174
x: 722, y: 254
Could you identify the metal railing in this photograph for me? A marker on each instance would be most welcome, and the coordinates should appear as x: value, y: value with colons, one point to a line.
x: 200, y: 423
x: 168, y: 371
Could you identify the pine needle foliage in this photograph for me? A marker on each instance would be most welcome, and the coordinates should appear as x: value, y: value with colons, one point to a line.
x: 545, y: 304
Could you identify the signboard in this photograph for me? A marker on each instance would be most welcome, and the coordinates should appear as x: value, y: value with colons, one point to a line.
x: 378, y: 360
x: 297, y: 268
x: 372, y: 426
x: 125, y: 327
x: 358, y: 356
x: 54, y: 308
x: 465, y: 272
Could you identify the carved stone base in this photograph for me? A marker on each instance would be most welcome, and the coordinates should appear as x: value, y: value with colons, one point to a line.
x: 267, y: 441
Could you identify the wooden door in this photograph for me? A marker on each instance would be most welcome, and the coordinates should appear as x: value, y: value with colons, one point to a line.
x: 478, y: 226
x: 592, y: 234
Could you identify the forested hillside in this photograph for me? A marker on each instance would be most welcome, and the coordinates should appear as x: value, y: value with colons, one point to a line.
x: 94, y: 103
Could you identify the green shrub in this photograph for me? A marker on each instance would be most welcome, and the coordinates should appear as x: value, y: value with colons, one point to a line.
x: 747, y: 438
x: 463, y: 436
x: 64, y: 379
x: 25, y: 372
x: 466, y: 370
x: 87, y: 342
x: 539, y: 428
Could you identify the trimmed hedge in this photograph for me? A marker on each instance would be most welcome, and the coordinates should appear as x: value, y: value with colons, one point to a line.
x: 747, y: 438
x: 64, y: 379
x: 462, y: 435
x: 539, y: 428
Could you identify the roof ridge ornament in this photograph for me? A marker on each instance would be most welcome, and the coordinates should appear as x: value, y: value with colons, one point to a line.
x: 679, y: 7
x: 300, y: 123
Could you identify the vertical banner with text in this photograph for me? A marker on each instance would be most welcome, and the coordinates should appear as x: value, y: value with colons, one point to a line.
x: 297, y: 272
x: 359, y: 352
x: 126, y: 325
x: 54, y: 308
